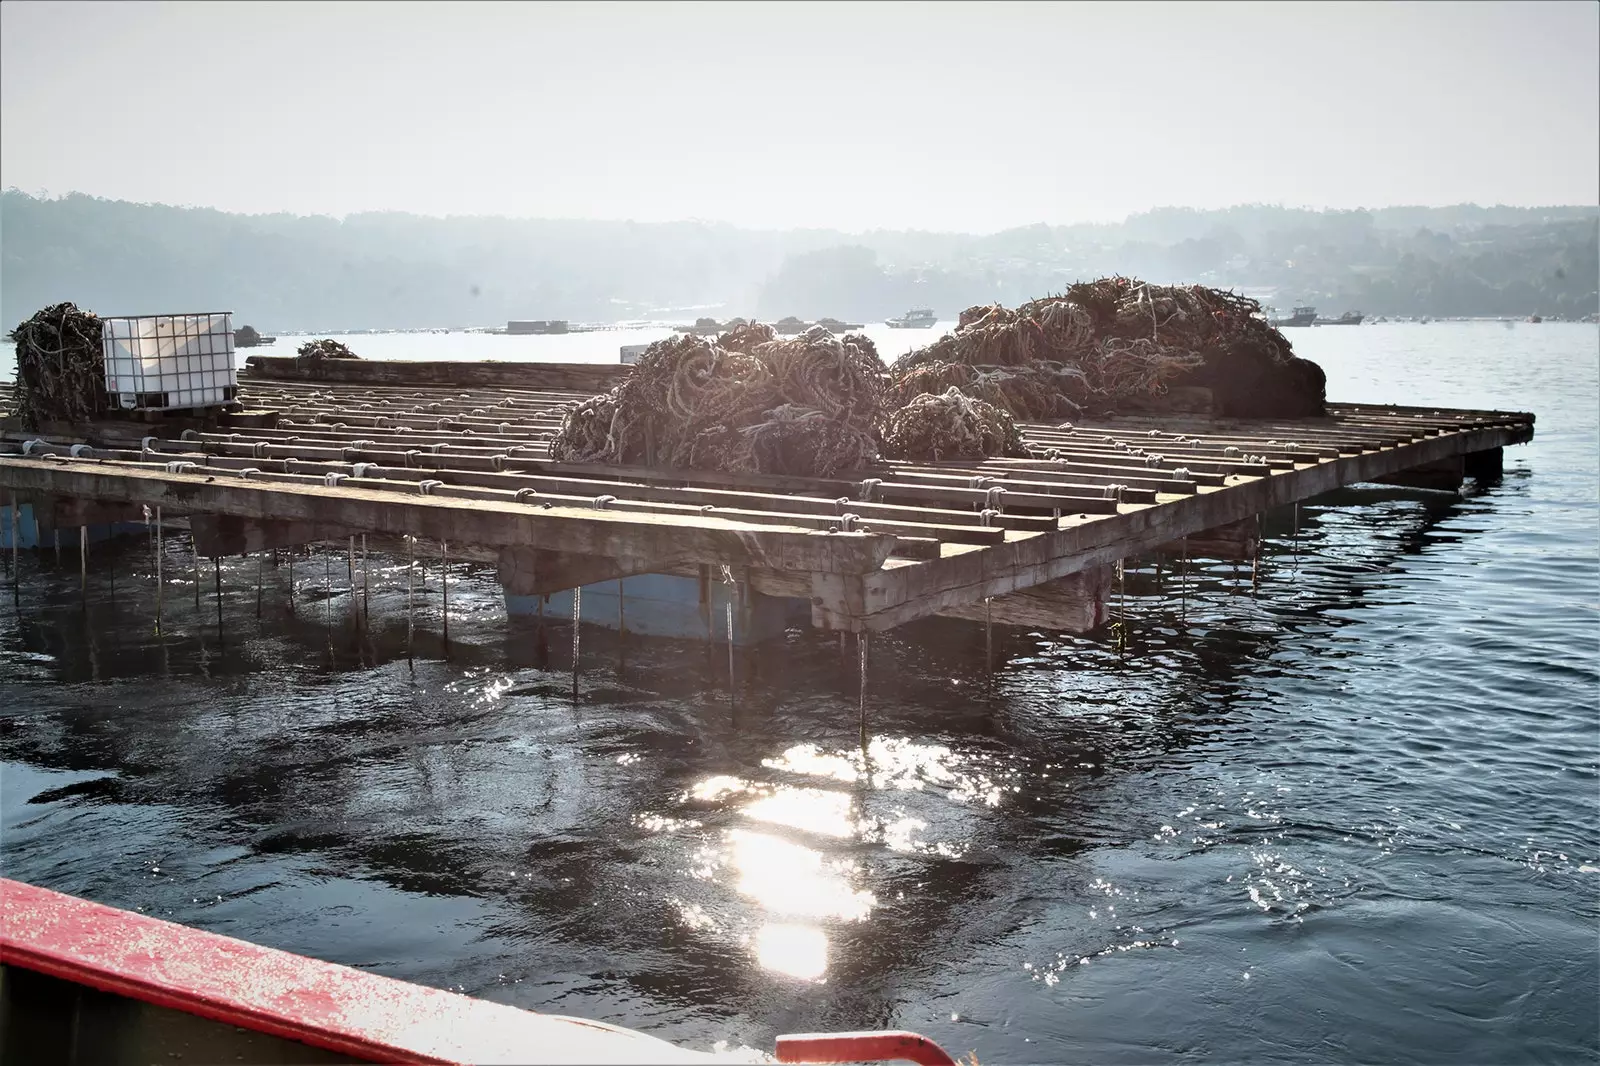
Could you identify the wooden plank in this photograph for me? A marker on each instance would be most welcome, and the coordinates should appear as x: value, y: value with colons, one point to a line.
x: 900, y: 594
x: 495, y: 523
x: 1445, y: 475
x: 1076, y: 603
x: 580, y: 377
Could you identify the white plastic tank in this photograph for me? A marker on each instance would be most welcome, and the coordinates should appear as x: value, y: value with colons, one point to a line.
x: 170, y: 362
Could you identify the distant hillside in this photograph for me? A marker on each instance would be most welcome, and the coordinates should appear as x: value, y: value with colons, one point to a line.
x: 390, y: 270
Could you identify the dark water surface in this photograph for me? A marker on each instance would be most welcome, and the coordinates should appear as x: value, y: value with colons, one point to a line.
x: 1356, y: 818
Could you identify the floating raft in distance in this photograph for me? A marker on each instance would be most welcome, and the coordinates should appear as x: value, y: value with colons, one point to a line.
x: 458, y: 453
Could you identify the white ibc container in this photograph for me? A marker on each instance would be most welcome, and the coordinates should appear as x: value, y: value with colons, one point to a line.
x: 169, y: 362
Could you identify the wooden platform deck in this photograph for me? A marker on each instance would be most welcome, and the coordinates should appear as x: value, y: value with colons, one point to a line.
x: 870, y: 550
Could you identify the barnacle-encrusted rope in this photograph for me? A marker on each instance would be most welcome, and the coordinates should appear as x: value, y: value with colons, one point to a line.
x: 60, y: 367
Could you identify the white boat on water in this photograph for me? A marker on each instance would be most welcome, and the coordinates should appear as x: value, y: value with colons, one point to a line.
x: 921, y: 318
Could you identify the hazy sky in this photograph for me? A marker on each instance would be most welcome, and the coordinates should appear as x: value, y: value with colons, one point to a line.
x: 945, y: 115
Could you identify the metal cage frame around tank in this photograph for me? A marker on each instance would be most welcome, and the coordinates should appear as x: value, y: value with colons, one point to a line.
x: 198, y: 371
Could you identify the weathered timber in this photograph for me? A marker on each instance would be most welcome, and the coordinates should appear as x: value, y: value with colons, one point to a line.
x: 1444, y: 475
x: 1072, y: 604
x: 577, y: 377
x: 223, y: 535
x: 535, y: 572
x: 899, y: 594
x: 503, y: 524
x: 1237, y: 540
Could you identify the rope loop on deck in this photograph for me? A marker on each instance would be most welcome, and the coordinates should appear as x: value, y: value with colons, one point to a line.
x: 189, y: 434
x: 1153, y: 459
x: 523, y: 494
x: 380, y: 420
x: 979, y: 482
x: 259, y: 448
x: 869, y: 489
x: 360, y: 469
x: 180, y: 467
x: 505, y: 427
x: 498, y: 461
x: 1154, y: 433
x: 427, y: 486
x: 332, y: 478
x: 840, y: 504
x: 246, y: 472
x: 1114, y: 491
x: 29, y: 445
x: 144, y: 445
x: 847, y: 522
x: 411, y: 457
x: 82, y: 450
x: 1065, y: 425
x: 602, y: 502
x: 987, y: 516
x: 1182, y: 474
x: 1230, y: 450
x: 993, y: 499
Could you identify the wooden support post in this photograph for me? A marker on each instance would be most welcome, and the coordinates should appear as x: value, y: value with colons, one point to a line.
x: 577, y: 622
x: 159, y: 554
x: 861, y: 694
x: 444, y: 585
x: 350, y: 574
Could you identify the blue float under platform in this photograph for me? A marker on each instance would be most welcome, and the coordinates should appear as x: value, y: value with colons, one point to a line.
x: 661, y: 605
x: 30, y: 535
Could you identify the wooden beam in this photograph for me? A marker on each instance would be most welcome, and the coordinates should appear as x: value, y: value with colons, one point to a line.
x: 223, y: 535
x: 578, y: 377
x: 899, y: 594
x: 1445, y: 474
x: 1072, y: 604
x: 1235, y: 540
x: 536, y: 572
x: 589, y: 531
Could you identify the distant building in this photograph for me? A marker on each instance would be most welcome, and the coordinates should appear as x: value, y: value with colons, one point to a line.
x: 554, y: 325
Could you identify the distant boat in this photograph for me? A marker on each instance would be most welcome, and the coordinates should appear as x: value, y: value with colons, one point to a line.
x: 1349, y: 318
x: 247, y: 337
x: 920, y: 318
x: 523, y: 326
x: 1303, y: 316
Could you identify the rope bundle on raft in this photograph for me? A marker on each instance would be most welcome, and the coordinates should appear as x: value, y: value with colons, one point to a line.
x: 818, y: 405
x: 950, y: 425
x: 1114, y: 344
x: 327, y: 348
x: 744, y: 402
x: 60, y: 367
